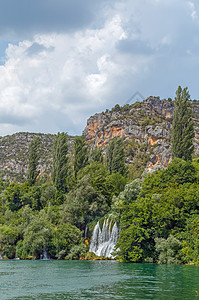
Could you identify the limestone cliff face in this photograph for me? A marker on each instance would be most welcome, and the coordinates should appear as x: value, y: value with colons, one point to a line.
x: 145, y: 128
x: 147, y: 122
x: 14, y: 154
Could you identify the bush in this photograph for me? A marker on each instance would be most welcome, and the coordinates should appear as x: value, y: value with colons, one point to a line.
x: 168, y: 250
x: 77, y: 251
x: 65, y: 237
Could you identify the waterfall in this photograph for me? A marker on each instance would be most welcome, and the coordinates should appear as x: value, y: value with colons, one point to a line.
x: 86, y: 230
x: 44, y: 256
x: 103, y: 240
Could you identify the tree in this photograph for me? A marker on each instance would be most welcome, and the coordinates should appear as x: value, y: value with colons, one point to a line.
x: 190, y: 240
x: 115, y: 157
x: 65, y: 237
x: 14, y: 194
x: 168, y: 250
x: 8, y: 237
x: 37, y: 236
x: 32, y: 198
x: 81, y: 155
x: 33, y: 160
x: 182, y: 130
x: 161, y: 208
x: 83, y: 205
x: 109, y: 155
x: 125, y: 197
x: 102, y: 181
x: 61, y: 168
x: 96, y: 155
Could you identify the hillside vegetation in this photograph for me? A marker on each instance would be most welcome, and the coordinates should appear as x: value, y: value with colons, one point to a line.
x: 145, y: 127
x: 69, y: 184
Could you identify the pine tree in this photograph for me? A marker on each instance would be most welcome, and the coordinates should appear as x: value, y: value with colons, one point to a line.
x: 61, y: 168
x: 115, y: 157
x: 182, y: 129
x: 33, y: 160
x: 81, y: 154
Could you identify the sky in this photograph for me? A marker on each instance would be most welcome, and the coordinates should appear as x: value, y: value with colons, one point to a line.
x: 62, y: 61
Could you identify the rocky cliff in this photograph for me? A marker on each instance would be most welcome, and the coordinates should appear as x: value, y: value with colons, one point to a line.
x: 144, y: 126
x: 147, y: 123
x: 14, y: 151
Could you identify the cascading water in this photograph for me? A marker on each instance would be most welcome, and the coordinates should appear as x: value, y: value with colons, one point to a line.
x: 86, y: 230
x: 44, y: 256
x: 103, y: 240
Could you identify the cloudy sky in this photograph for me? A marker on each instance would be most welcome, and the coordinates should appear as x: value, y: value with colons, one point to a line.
x: 61, y: 61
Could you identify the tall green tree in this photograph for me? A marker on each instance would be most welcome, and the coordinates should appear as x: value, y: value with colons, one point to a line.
x: 34, y: 154
x: 182, y: 130
x: 115, y: 157
x: 61, y: 167
x: 81, y: 154
x: 96, y: 155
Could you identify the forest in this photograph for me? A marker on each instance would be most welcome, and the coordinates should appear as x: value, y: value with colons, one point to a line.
x: 157, y: 213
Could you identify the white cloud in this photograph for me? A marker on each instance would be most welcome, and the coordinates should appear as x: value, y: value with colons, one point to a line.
x: 95, y: 82
x: 193, y: 11
x: 62, y: 75
x: 55, y: 81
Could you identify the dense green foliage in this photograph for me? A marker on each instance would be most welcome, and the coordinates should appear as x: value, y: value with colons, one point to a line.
x: 34, y: 155
x: 80, y: 154
x: 60, y: 170
x: 115, y: 157
x: 47, y: 215
x: 155, y: 225
x: 96, y: 155
x: 158, y: 215
x: 138, y: 155
x: 182, y: 129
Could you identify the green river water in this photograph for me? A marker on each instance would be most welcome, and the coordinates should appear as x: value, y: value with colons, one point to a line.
x: 96, y: 280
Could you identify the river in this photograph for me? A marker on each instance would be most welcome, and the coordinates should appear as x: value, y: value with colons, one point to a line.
x: 76, y: 280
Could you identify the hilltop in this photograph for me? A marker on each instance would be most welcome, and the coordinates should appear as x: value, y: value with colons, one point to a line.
x: 146, y: 130
x: 144, y: 126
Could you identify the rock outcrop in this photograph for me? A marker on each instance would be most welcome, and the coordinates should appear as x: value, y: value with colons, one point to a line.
x: 148, y: 122
x: 14, y: 154
x: 144, y: 126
